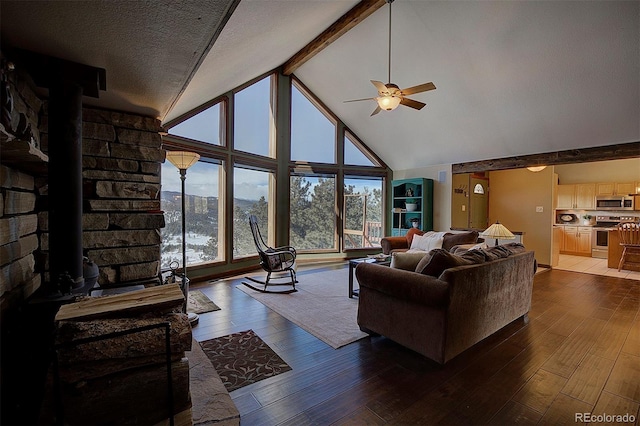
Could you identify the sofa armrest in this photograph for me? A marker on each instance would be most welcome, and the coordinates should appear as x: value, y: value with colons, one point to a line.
x: 393, y: 243
x: 411, y: 286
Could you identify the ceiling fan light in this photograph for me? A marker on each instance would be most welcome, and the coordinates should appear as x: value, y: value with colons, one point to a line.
x: 388, y: 102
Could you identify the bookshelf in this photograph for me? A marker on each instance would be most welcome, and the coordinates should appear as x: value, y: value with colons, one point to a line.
x: 405, y: 191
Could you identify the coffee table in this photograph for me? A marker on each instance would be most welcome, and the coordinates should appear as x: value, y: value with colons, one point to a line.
x: 355, y: 262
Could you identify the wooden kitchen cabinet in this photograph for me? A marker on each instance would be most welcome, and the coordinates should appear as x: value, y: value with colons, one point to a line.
x: 616, y: 188
x: 577, y: 240
x: 578, y: 196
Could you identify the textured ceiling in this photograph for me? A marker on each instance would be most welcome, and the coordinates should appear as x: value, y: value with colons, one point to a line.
x: 512, y: 77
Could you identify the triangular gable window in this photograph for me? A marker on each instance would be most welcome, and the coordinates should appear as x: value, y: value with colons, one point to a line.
x: 204, y: 126
x: 353, y: 154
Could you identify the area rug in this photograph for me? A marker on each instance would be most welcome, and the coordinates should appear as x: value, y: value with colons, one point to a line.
x: 243, y: 358
x: 199, y: 303
x: 321, y: 306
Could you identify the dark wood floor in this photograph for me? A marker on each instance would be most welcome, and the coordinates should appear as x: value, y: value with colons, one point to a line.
x: 580, y: 353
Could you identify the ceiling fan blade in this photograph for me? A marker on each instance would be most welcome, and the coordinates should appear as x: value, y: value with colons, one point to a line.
x: 380, y: 86
x: 411, y: 103
x: 358, y: 100
x: 377, y: 110
x: 418, y: 89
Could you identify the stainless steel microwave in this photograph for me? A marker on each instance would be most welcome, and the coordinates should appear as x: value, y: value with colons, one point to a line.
x: 614, y: 202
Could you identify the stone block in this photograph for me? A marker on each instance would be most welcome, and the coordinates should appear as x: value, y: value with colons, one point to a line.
x: 15, y: 273
x: 139, y: 138
x: 139, y: 271
x: 124, y: 205
x: 121, y: 119
x: 103, y: 132
x: 107, y: 239
x: 11, y: 178
x: 16, y: 202
x: 95, y: 147
x: 119, y: 150
x: 99, y: 163
x: 120, y: 176
x: 17, y: 249
x: 137, y: 220
x: 124, y: 255
x: 110, y: 189
x: 150, y: 168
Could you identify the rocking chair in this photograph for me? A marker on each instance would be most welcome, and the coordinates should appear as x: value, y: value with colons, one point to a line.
x: 279, y: 259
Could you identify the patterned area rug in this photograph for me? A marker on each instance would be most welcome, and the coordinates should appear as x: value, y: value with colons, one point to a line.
x: 199, y: 303
x: 243, y: 358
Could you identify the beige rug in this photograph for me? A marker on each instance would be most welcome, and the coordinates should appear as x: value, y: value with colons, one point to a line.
x: 321, y: 306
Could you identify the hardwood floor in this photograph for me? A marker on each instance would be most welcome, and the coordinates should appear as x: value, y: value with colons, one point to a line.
x: 579, y: 353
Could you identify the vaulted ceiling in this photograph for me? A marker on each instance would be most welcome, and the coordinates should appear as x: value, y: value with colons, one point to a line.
x: 512, y: 77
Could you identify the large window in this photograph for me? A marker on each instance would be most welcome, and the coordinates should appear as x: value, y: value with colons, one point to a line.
x: 253, y: 118
x: 313, y: 135
x: 362, y: 212
x: 202, y: 218
x: 353, y: 155
x: 206, y: 126
x: 313, y: 218
x: 251, y: 189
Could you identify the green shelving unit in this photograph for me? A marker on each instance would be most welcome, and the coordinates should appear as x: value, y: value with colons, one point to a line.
x: 418, y: 191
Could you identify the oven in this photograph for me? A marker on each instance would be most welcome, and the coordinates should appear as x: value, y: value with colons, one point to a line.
x: 600, y: 242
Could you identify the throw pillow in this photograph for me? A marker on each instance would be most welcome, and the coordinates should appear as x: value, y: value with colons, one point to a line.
x: 423, y: 262
x: 454, y: 239
x: 410, y: 233
x: 406, y: 261
x: 427, y: 242
x: 441, y: 260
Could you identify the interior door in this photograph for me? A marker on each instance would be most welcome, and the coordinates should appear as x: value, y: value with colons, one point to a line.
x: 479, y: 212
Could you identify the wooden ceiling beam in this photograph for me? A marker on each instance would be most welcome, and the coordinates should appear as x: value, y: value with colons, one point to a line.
x: 347, y: 21
x: 582, y: 155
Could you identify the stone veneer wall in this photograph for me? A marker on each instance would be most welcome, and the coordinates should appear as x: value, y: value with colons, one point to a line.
x: 122, y: 156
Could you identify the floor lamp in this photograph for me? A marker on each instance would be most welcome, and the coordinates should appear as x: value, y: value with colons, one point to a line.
x: 183, y: 160
x: 498, y: 231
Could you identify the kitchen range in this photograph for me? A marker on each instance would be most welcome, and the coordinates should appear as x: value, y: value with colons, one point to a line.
x: 600, y: 233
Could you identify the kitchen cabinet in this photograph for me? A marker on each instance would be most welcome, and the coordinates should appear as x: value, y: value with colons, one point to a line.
x: 578, y: 196
x: 616, y: 188
x: 577, y: 240
x: 418, y: 192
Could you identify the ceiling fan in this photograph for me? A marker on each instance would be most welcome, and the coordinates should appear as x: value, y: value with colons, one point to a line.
x: 390, y: 95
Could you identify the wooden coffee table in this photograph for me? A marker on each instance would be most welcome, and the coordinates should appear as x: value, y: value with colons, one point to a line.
x: 355, y: 262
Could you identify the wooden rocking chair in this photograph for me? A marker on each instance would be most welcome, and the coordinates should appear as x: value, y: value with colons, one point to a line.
x: 278, y: 259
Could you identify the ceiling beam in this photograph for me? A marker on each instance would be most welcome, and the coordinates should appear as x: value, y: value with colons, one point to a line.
x: 347, y: 21
x: 582, y: 155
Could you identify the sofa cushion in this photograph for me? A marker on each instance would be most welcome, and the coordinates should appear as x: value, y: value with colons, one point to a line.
x: 454, y: 239
x: 515, y: 248
x: 442, y: 260
x: 410, y: 233
x: 496, y: 252
x: 427, y: 242
x: 406, y: 261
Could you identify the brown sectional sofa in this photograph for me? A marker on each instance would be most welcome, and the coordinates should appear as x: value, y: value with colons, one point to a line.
x: 470, y: 297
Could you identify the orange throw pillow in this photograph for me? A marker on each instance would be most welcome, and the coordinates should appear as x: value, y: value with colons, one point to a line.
x: 410, y: 233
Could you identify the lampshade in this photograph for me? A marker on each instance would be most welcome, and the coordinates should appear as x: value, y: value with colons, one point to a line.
x: 182, y: 159
x: 388, y: 102
x: 536, y: 168
x: 498, y: 231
